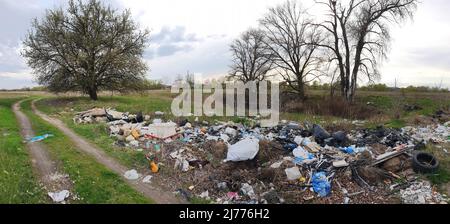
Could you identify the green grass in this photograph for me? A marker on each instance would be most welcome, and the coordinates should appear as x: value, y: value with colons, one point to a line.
x: 132, y: 103
x: 396, y: 123
x: 18, y: 185
x: 381, y: 102
x: 93, y: 182
x: 442, y: 176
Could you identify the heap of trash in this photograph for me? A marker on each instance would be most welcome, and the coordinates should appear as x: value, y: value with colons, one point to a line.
x: 228, y: 162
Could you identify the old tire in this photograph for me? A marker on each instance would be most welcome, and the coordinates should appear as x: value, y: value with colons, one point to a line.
x: 423, y: 162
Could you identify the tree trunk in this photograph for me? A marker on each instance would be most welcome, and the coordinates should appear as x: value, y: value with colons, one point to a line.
x: 301, y: 91
x: 93, y: 94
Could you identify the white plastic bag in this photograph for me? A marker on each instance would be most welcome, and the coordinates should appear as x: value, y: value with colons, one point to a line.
x: 246, y: 149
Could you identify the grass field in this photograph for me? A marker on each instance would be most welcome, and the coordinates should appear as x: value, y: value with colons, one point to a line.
x: 93, y: 183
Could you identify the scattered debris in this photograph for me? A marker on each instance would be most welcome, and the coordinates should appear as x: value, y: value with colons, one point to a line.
x: 293, y: 173
x: 423, y: 162
x: 410, y: 108
x: 243, y: 150
x: 421, y: 193
x: 131, y: 175
x: 320, y: 184
x: 59, y: 197
x: 147, y: 179
x: 40, y: 138
x: 340, y: 164
x: 231, y: 162
x: 247, y: 190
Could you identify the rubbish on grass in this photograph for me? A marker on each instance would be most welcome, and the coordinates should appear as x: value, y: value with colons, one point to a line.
x: 154, y: 167
x: 162, y: 130
x: 182, y: 164
x: 40, y: 138
x: 113, y: 115
x: 60, y: 196
x: 340, y: 164
x: 302, y: 156
x: 312, y: 147
x: 233, y: 195
x: 131, y: 175
x: 348, y: 150
x: 247, y: 189
x: 321, y: 185
x: 423, y: 162
x: 293, y: 173
x: 276, y: 165
x: 319, y: 133
x: 421, y: 192
x: 389, y: 155
x: 243, y: 150
x: 204, y: 195
x: 374, y: 157
x: 290, y: 146
x: 147, y: 179
x: 135, y: 134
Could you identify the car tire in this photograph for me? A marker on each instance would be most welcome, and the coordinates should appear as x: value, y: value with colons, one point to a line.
x: 423, y: 162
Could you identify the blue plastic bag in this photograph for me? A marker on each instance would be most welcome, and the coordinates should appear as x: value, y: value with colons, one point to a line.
x: 321, y: 185
x: 40, y: 138
x: 290, y: 146
x: 348, y: 150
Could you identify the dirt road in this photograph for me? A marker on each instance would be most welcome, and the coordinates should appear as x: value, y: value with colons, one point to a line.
x: 47, y: 169
x: 157, y: 195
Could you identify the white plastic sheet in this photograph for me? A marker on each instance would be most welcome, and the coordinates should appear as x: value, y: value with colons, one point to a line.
x: 243, y: 150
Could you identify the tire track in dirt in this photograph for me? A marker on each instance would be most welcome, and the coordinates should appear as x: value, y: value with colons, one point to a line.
x: 83, y: 145
x: 47, y: 169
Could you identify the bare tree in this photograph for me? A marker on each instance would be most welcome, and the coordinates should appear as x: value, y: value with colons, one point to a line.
x: 251, y: 57
x: 360, y: 37
x: 291, y: 37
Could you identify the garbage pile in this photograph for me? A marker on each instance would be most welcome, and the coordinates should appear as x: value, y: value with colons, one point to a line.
x: 432, y: 133
x: 229, y: 162
x: 102, y: 115
x: 421, y: 193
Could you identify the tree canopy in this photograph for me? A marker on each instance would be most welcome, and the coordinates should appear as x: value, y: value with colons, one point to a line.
x: 87, y: 47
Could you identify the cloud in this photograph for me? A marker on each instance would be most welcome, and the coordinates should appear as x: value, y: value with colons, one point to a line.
x: 170, y: 40
x: 15, y: 20
x: 176, y: 34
x: 170, y: 49
x: 10, y: 58
x: 19, y: 79
x: 436, y: 57
x: 209, y: 58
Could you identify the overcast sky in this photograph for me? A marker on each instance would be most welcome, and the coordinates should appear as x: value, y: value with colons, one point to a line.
x: 194, y: 35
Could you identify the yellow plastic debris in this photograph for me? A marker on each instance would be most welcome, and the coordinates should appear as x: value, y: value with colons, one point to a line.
x: 154, y: 167
x: 302, y: 179
x: 135, y: 134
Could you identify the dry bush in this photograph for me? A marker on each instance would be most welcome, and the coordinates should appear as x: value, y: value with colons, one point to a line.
x: 326, y: 106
